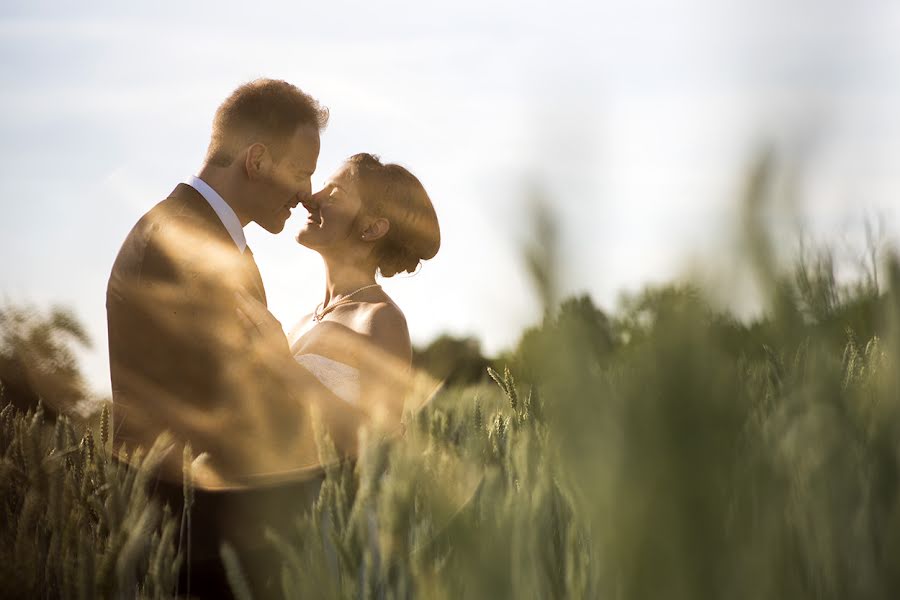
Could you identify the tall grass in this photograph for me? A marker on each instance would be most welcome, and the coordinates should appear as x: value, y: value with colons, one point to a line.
x: 76, y: 524
x: 666, y: 450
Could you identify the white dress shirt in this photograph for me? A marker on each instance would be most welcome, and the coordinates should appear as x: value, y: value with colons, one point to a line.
x: 226, y: 213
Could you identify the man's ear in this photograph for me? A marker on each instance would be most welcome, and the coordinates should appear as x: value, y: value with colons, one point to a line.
x: 376, y: 230
x: 256, y: 161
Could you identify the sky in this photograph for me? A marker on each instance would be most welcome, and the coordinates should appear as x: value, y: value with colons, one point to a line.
x: 635, y: 120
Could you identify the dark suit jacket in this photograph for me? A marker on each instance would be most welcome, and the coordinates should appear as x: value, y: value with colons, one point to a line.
x: 179, y: 357
x: 180, y: 361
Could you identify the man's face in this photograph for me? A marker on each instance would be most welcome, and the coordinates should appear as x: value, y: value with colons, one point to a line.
x: 332, y: 212
x: 287, y: 182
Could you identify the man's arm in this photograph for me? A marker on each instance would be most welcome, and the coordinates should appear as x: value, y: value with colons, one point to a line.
x: 181, y: 363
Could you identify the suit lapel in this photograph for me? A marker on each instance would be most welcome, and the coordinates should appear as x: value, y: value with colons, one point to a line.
x: 256, y: 287
x: 192, y: 201
x: 188, y: 200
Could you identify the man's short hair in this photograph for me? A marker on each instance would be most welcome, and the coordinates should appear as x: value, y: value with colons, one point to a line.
x: 267, y: 111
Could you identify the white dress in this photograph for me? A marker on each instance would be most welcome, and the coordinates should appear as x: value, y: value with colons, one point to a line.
x: 340, y: 378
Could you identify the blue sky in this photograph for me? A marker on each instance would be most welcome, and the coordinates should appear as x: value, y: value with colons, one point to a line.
x: 637, y: 119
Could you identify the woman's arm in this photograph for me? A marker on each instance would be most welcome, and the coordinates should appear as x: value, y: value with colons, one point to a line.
x: 384, y: 363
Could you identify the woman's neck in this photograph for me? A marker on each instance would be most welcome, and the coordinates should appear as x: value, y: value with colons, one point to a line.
x: 342, y: 278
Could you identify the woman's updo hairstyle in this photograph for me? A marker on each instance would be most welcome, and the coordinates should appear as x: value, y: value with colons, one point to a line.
x: 391, y: 192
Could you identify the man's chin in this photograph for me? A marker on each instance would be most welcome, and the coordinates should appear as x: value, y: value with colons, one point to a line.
x: 275, y: 227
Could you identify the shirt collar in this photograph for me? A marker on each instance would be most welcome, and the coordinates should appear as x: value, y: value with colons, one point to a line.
x: 226, y: 213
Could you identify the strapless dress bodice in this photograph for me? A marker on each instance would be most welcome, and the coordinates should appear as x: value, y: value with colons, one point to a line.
x: 342, y: 379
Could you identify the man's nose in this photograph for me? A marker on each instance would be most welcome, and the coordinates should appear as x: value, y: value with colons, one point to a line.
x: 311, y: 201
x: 302, y: 197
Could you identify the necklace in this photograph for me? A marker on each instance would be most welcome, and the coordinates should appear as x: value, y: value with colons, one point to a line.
x: 317, y: 316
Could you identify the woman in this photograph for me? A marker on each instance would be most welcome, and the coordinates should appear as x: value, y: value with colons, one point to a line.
x: 369, y: 219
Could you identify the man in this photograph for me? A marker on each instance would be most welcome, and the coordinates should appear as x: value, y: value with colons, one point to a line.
x: 184, y: 357
x: 181, y: 358
x: 180, y: 355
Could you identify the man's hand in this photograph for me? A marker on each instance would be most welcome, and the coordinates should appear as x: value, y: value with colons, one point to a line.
x: 264, y: 331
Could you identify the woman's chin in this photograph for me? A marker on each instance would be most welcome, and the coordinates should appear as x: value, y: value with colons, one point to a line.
x: 304, y: 239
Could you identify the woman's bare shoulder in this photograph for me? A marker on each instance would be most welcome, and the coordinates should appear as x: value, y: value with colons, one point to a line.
x: 386, y: 324
x: 387, y: 314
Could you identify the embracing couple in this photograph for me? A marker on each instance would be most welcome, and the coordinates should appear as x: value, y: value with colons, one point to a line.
x: 193, y: 348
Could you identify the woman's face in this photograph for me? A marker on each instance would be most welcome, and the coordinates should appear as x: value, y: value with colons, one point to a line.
x: 332, y: 213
